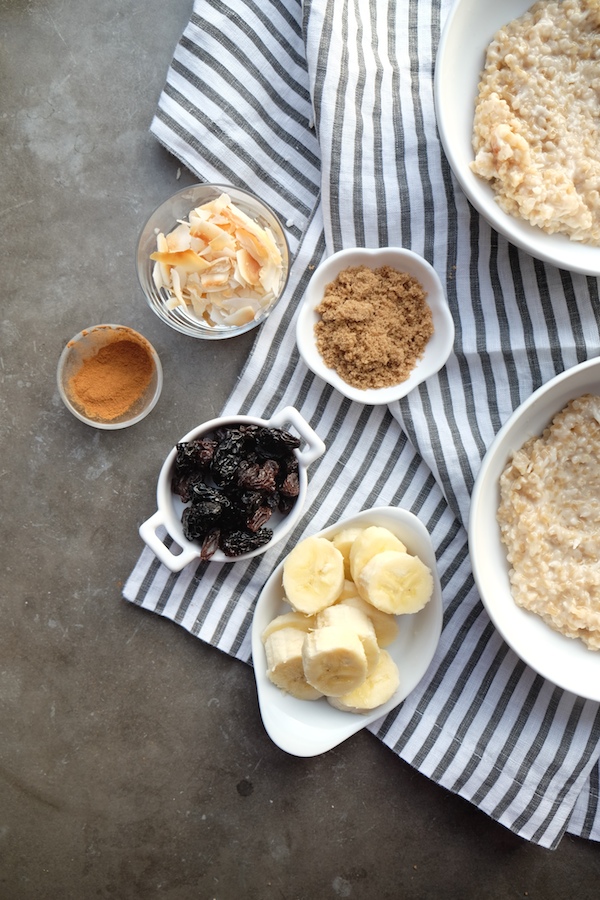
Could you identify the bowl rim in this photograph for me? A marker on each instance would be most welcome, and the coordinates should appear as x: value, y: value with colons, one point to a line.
x: 563, y: 661
x: 308, y: 728
x: 123, y: 423
x: 438, y: 349
x: 188, y: 325
x: 451, y: 94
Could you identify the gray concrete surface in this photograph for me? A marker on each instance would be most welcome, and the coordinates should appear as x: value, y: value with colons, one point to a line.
x: 133, y: 762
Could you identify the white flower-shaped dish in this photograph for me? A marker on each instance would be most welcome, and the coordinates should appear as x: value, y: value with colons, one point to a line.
x: 310, y: 727
x: 438, y: 348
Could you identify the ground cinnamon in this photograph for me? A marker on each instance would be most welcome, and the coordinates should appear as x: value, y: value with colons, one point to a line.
x: 109, y: 383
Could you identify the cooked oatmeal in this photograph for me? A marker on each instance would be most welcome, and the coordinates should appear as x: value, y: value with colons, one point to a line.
x: 549, y: 518
x: 536, y: 134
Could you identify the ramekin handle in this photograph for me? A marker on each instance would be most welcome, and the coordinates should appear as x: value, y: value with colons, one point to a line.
x: 290, y: 415
x: 173, y: 561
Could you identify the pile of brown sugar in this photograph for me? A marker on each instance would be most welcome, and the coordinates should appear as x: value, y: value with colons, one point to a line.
x: 374, y: 326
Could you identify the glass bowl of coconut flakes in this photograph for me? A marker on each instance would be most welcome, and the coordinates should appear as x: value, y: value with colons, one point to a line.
x: 212, y: 261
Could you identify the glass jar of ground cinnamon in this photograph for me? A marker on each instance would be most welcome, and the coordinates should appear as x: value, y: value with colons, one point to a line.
x: 110, y: 376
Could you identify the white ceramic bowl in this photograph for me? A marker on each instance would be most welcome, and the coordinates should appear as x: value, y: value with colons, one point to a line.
x: 564, y: 661
x: 470, y: 27
x: 438, y: 348
x: 87, y: 344
x: 165, y: 218
x: 170, y: 507
x: 307, y: 728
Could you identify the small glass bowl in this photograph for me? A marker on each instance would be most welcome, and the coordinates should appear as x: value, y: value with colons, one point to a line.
x: 165, y: 218
x: 86, y: 345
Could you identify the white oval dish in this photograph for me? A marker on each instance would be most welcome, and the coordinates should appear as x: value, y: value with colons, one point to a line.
x: 170, y: 507
x: 438, y: 348
x: 564, y: 661
x: 470, y: 27
x: 307, y: 728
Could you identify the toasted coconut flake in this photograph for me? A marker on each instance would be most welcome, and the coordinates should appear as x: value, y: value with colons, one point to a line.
x: 220, y: 264
x: 185, y: 259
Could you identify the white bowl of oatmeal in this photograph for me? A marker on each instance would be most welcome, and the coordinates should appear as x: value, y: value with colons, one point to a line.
x: 551, y: 547
x: 387, y: 326
x: 459, y: 66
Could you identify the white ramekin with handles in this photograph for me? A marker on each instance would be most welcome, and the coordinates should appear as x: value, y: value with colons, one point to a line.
x: 170, y: 507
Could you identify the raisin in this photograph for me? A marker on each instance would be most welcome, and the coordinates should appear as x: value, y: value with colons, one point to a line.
x: 291, y: 486
x: 227, y: 457
x: 259, y: 477
x: 273, y: 443
x: 210, y: 543
x: 237, y: 542
x: 195, y: 454
x: 259, y: 518
x: 285, y: 504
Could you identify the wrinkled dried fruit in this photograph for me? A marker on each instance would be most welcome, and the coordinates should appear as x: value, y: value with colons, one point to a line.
x: 234, y: 486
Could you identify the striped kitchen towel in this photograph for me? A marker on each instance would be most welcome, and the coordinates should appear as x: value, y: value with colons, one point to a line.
x: 325, y: 108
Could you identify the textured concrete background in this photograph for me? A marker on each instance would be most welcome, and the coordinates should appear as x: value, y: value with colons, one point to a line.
x: 133, y: 762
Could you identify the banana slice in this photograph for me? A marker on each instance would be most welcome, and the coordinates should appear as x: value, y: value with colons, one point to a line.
x: 283, y: 649
x: 395, y: 582
x: 344, y: 540
x: 288, y: 620
x: 334, y: 660
x: 377, y: 689
x: 349, y: 590
x: 370, y: 541
x: 385, y: 625
x: 313, y: 575
x: 350, y: 617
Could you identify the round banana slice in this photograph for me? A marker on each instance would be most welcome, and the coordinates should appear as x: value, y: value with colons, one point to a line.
x: 385, y: 624
x: 349, y: 590
x: 370, y: 541
x: 377, y: 689
x: 350, y: 617
x: 334, y: 660
x: 288, y: 620
x: 283, y: 649
x: 396, y: 583
x: 344, y: 540
x: 313, y: 575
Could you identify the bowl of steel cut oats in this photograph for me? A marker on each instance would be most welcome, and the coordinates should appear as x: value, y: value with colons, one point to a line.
x: 519, y: 121
x: 534, y: 530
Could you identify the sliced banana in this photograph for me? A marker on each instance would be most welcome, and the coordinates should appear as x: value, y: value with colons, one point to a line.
x: 349, y: 590
x: 377, y: 689
x: 350, y: 617
x: 385, y: 625
x: 344, y: 540
x: 371, y: 540
x: 288, y: 620
x: 313, y: 575
x: 396, y: 582
x: 283, y: 649
x: 334, y: 660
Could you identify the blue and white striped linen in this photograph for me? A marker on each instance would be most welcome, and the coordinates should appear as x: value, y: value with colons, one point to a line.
x: 325, y: 109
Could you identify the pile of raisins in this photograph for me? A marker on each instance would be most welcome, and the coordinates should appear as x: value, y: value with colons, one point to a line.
x: 234, y: 480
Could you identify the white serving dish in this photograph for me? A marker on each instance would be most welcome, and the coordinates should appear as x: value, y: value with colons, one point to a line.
x: 307, y: 728
x: 438, y: 348
x: 564, y: 661
x: 170, y: 506
x: 470, y: 27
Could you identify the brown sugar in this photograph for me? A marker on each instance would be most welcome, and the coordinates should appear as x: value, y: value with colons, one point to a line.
x: 374, y: 326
